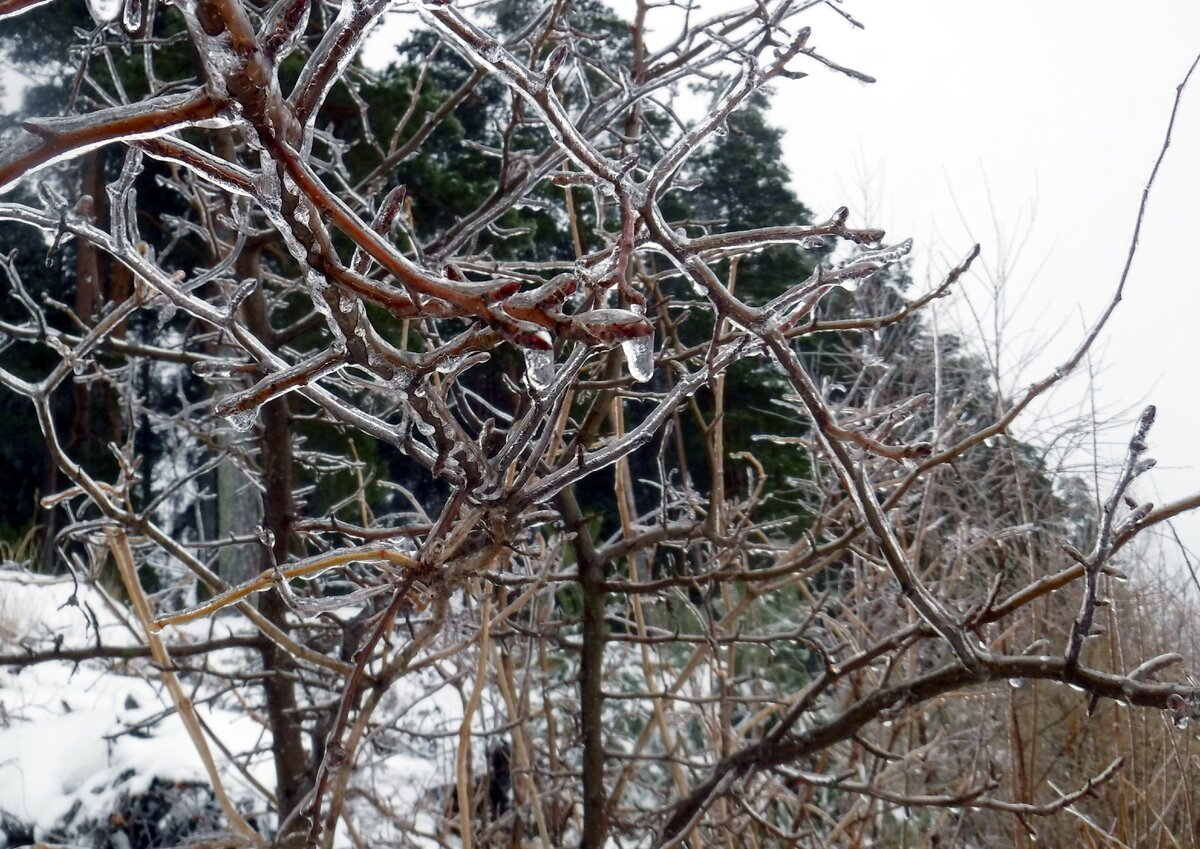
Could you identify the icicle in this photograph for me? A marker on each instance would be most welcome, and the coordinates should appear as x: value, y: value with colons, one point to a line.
x: 539, y: 369
x: 639, y: 350
x: 639, y: 357
x: 242, y: 420
x: 132, y: 19
x: 166, y: 312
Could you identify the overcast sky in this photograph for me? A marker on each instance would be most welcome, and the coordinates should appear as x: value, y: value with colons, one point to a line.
x: 1030, y: 127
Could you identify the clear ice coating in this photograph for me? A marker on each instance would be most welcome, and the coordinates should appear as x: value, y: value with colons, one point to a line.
x: 242, y: 420
x: 639, y: 357
x: 539, y: 369
x: 878, y: 259
x: 401, y: 380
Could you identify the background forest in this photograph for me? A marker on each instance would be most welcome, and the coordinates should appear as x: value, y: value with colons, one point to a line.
x: 482, y: 452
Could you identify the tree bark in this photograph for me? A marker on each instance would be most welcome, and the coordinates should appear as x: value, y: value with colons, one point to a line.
x: 293, y: 770
x: 591, y: 673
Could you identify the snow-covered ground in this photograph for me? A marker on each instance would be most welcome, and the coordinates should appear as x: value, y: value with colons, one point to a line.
x: 78, y: 740
x: 82, y: 743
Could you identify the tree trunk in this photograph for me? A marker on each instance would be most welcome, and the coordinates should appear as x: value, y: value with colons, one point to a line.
x: 591, y: 673
x: 293, y: 770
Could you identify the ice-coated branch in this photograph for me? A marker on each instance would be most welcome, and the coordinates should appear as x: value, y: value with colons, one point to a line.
x: 518, y: 428
x: 1105, y: 535
x: 44, y: 141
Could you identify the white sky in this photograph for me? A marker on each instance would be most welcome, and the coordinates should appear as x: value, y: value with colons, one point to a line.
x: 1030, y: 127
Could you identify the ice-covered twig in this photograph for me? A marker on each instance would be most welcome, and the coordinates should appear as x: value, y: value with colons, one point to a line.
x: 1105, y: 535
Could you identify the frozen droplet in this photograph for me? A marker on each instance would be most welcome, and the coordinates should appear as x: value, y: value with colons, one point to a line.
x: 813, y: 243
x: 492, y: 52
x: 639, y: 357
x: 539, y: 368
x: 851, y: 284
x: 79, y: 366
x: 132, y: 18
x: 1015, y: 683
x: 401, y: 380
x: 242, y: 420
x: 165, y: 313
x: 265, y: 535
x: 1181, y: 719
x: 424, y: 427
x: 104, y: 11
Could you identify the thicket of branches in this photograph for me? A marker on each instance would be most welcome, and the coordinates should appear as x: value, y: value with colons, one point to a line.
x: 493, y: 376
